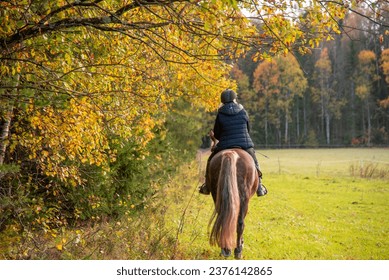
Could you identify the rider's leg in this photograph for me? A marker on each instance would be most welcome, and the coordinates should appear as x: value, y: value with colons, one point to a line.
x: 261, y: 190
x: 203, y: 188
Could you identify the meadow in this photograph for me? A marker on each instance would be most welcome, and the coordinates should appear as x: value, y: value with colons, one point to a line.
x: 327, y: 204
x: 322, y: 204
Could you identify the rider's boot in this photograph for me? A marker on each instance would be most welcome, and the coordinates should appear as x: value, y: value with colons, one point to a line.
x: 203, y: 189
x: 261, y: 190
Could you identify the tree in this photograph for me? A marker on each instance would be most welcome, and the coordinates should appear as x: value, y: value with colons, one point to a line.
x: 85, y: 81
x: 106, y: 66
x: 385, y: 68
x: 324, y: 93
x: 365, y: 77
x: 51, y: 49
x: 277, y: 83
x: 265, y: 84
x: 292, y: 84
x: 364, y: 27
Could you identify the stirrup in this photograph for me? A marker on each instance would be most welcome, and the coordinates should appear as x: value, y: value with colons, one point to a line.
x: 204, y: 190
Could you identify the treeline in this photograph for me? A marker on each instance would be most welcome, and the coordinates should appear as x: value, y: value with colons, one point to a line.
x: 335, y: 96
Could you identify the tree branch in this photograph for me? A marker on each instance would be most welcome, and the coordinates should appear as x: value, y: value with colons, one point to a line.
x: 43, y: 27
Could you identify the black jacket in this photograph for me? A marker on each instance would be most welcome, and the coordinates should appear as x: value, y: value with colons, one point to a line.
x: 232, y: 127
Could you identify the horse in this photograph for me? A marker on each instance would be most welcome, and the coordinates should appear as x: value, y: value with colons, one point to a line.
x: 232, y: 180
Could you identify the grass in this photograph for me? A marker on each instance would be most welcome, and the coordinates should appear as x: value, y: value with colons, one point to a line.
x: 316, y: 209
x: 326, y: 162
x: 322, y: 204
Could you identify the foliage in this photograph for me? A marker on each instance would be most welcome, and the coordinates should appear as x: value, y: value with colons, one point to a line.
x: 278, y: 83
x: 366, y: 73
x: 385, y: 68
x: 324, y: 94
x: 85, y: 101
x: 100, y: 101
x: 331, y: 108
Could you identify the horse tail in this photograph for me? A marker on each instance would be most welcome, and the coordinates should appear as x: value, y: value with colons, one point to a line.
x: 227, y: 204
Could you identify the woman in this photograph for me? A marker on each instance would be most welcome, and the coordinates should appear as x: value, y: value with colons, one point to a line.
x: 232, y: 129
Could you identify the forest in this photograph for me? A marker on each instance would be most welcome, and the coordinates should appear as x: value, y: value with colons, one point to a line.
x: 102, y: 101
x: 336, y: 95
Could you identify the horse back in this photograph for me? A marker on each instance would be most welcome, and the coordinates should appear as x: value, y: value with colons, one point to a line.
x: 245, y: 169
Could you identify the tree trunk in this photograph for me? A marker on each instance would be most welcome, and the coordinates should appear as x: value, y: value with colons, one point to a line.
x: 322, y: 117
x: 297, y: 120
x: 353, y: 121
x: 328, y: 128
x: 4, y: 134
x: 368, y: 123
x: 305, y: 117
x: 266, y: 124
x: 286, y: 128
x: 363, y: 121
x: 6, y: 125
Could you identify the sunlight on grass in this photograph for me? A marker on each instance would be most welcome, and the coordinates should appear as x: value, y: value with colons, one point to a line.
x: 333, y: 162
x: 316, y: 209
x: 308, y: 213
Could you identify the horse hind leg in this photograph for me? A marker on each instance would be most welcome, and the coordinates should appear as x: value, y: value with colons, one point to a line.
x: 238, y: 251
x: 225, y: 252
x: 239, y: 243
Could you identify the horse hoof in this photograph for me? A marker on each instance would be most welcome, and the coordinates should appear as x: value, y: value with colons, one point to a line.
x: 226, y: 253
x: 238, y: 254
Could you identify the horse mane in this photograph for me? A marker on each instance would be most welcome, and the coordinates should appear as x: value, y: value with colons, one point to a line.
x: 227, y: 203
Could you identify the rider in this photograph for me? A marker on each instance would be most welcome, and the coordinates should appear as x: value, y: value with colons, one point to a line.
x: 232, y: 130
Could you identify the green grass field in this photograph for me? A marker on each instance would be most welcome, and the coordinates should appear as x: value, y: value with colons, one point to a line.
x: 322, y: 204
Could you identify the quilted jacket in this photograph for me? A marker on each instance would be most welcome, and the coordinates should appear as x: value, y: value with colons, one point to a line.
x: 232, y: 127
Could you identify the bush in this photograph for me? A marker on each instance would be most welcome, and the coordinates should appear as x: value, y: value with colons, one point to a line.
x: 368, y: 170
x: 33, y: 203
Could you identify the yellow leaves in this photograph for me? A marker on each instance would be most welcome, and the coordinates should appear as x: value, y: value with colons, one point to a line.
x: 94, y: 201
x: 60, y: 244
x: 45, y: 154
x: 385, y: 64
x: 365, y: 74
x: 286, y: 23
x: 314, y: 43
x: 75, y: 133
x: 366, y: 57
x: 201, y: 82
x: 68, y: 59
x: 384, y: 103
x: 96, y: 85
x: 362, y: 91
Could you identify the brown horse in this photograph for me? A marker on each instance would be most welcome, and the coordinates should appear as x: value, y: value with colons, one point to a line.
x: 233, y: 180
